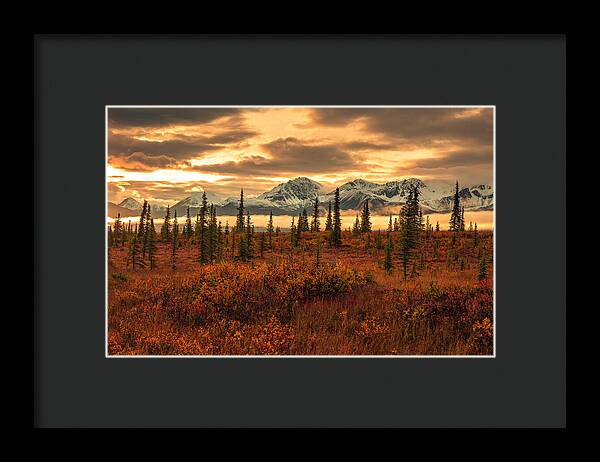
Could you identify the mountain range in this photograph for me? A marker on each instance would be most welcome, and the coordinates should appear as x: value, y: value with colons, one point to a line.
x: 291, y: 197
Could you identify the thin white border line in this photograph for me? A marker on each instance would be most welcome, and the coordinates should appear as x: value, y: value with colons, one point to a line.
x: 107, y: 356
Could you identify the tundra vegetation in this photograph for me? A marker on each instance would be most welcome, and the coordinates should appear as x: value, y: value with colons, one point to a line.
x: 199, y: 286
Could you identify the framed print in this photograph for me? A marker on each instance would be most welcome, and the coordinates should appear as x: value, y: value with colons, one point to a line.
x: 300, y: 231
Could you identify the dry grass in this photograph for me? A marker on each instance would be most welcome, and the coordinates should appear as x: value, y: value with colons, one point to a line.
x: 282, y: 305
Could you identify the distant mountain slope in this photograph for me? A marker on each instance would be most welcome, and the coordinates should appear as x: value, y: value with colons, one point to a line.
x: 291, y: 197
x: 114, y: 210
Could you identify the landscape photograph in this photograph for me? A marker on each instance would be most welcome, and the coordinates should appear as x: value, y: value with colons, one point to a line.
x: 292, y: 231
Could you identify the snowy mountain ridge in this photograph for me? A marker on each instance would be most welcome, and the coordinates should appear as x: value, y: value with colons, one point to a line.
x: 292, y: 196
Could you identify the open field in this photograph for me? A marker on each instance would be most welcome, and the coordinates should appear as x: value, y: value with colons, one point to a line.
x: 285, y: 303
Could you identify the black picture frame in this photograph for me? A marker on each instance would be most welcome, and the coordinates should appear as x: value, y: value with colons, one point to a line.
x: 524, y: 77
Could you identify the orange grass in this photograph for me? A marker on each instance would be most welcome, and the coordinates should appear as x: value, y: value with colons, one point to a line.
x: 282, y: 304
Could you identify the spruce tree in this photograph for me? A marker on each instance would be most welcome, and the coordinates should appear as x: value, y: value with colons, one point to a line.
x: 165, y: 230
x: 197, y: 228
x: 387, y: 262
x: 379, y: 240
x: 152, y: 244
x: 118, y: 234
x: 242, y: 247
x: 249, y: 238
x: 365, y: 219
x: 293, y: 234
x: 239, y: 226
x: 126, y: 238
x: 262, y: 244
x: 233, y: 241
x: 220, y: 240
x: 174, y: 236
x: 356, y: 227
x: 299, y: 228
x: 270, y: 230
x: 305, y: 225
x: 315, y: 225
x: 335, y: 237
x: 213, y: 233
x: 141, y: 228
x: 203, y: 238
x: 329, y: 222
x: 455, y: 216
x: 437, y: 225
x: 475, y: 236
x: 482, y: 268
x: 187, y: 229
x: 146, y: 232
x: 134, y: 257
x: 410, y: 229
x: 390, y: 227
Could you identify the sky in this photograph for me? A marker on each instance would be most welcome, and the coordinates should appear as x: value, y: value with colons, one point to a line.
x: 164, y: 154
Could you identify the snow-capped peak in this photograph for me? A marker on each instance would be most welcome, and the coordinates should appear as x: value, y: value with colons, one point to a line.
x: 131, y: 204
x: 195, y: 199
x: 296, y: 191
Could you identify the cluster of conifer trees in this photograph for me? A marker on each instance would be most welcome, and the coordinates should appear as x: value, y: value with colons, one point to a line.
x: 215, y: 242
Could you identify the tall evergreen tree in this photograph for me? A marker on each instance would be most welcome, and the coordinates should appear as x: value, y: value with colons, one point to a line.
x: 249, y: 237
x: 335, y: 237
x: 262, y: 244
x: 165, y: 230
x: 243, y: 246
x: 437, y: 225
x: 315, y: 225
x: 365, y: 219
x: 146, y: 232
x: 410, y: 229
x: 390, y: 227
x: 270, y: 230
x: 329, y: 222
x: 118, y: 234
x: 456, y: 214
x: 378, y: 240
x: 203, y: 238
x: 220, y: 241
x: 213, y: 233
x: 174, y: 236
x: 239, y: 226
x: 134, y: 257
x: 152, y: 244
x: 141, y: 229
x: 356, y: 227
x: 305, y: 224
x: 299, y: 228
x: 387, y: 262
x: 188, y: 231
x: 482, y: 268
x: 293, y: 234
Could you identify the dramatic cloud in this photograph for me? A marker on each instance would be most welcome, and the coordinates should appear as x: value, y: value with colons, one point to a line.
x: 161, y: 117
x: 416, y: 124
x: 454, y: 159
x: 140, y: 161
x: 163, y: 154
